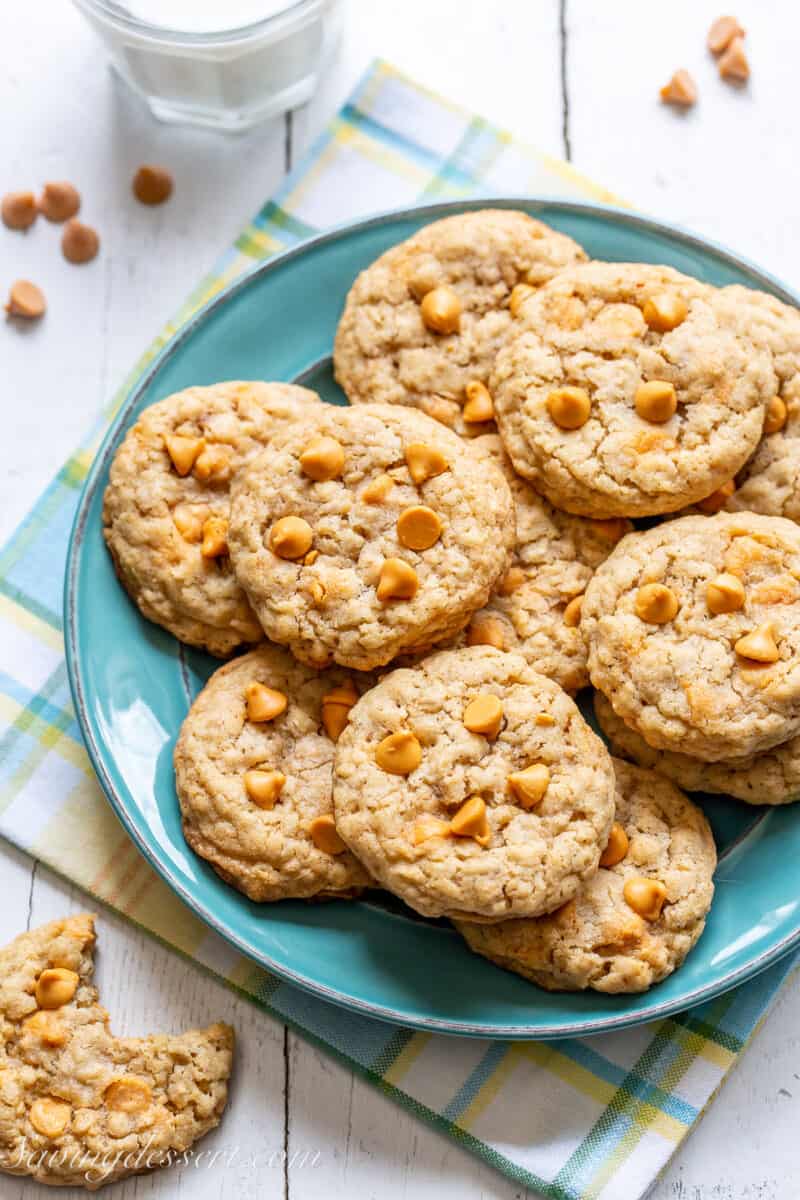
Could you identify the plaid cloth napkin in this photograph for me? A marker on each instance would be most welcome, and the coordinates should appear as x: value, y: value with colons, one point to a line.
x: 616, y: 1106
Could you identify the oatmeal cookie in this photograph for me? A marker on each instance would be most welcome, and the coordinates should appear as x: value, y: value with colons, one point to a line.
x: 364, y: 532
x: 165, y: 511
x: 424, y: 322
x: 471, y: 785
x: 535, y: 607
x: 79, y: 1106
x: 693, y: 630
x: 629, y: 390
x: 634, y: 922
x: 772, y: 777
x: 253, y: 772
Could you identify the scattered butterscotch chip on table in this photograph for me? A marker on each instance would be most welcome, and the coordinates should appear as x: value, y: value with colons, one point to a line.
x: 79, y: 243
x: 152, y: 185
x: 733, y: 63
x: 26, y: 300
x: 722, y: 33
x: 680, y: 91
x: 18, y: 210
x: 59, y: 201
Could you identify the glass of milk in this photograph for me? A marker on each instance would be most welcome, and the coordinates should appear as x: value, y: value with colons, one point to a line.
x: 221, y: 63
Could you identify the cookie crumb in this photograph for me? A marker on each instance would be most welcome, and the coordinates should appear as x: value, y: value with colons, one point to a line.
x: 18, y: 210
x: 79, y: 243
x: 152, y: 185
x: 680, y: 91
x: 26, y: 300
x: 59, y: 201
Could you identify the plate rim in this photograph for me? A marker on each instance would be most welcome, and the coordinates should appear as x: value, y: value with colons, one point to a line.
x: 108, y: 445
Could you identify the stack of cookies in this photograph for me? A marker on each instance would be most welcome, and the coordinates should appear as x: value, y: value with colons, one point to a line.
x: 422, y: 581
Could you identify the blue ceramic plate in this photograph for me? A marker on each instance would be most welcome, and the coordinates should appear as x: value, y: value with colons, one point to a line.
x: 132, y: 684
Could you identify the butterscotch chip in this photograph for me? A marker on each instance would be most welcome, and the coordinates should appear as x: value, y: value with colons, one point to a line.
x: 26, y: 300
x: 759, y: 645
x: 656, y: 603
x: 486, y: 631
x: 441, y: 310
x: 398, y: 574
x: 47, y: 1027
x: 399, y: 753
x: 429, y: 827
x: 776, y: 415
x: 693, y: 684
x: 484, y: 715
x: 183, y: 451
x: 569, y: 407
x: 665, y: 311
x: 725, y: 594
x: 645, y: 896
x: 18, y: 210
x: 264, y: 703
x: 50, y: 1117
x: 213, y: 465
x: 129, y: 1094
x: 530, y: 785
x: 681, y: 90
x: 656, y: 401
x: 572, y: 613
x: 324, y: 836
x: 264, y: 786
x: 397, y: 581
x: 385, y: 349
x: 479, y: 405
x: 598, y: 940
x: 152, y: 185
x: 59, y: 201
x: 722, y: 32
x: 528, y: 860
x: 79, y: 243
x: 323, y: 460
x: 88, y: 1108
x: 189, y: 520
x: 336, y: 707
x: 215, y: 537
x: 377, y: 490
x: 424, y: 462
x: 544, y: 718
x: 471, y: 821
x: 55, y: 987
x: 519, y: 294
x: 418, y: 527
x: 733, y: 62
x: 616, y: 847
x: 718, y: 499
x: 291, y: 537
x: 514, y: 578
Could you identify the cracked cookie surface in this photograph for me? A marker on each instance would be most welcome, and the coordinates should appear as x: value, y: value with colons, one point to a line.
x: 532, y: 853
x: 360, y: 593
x: 269, y: 853
x: 586, y: 332
x: 681, y: 682
x: 597, y: 940
x: 162, y: 566
x: 385, y: 352
x: 772, y: 777
x: 79, y: 1106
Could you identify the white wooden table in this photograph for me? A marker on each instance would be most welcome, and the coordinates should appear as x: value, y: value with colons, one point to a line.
x: 575, y: 77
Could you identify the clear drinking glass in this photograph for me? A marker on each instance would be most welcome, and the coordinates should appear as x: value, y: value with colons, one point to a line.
x: 221, y: 63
